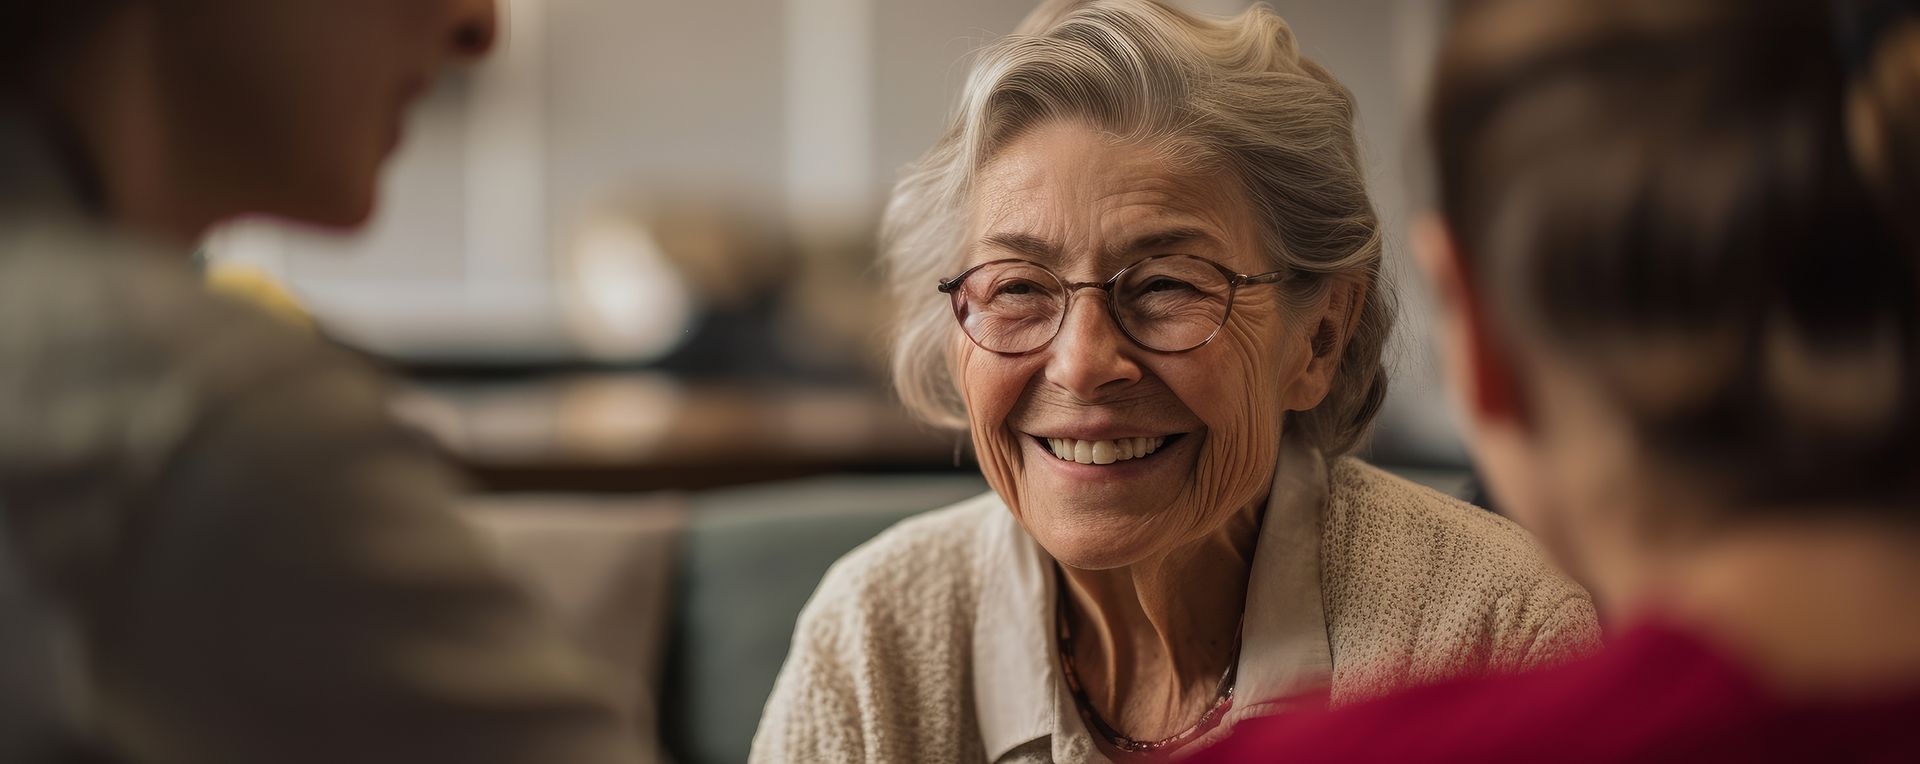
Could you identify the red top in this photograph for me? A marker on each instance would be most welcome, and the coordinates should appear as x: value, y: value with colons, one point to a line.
x: 1658, y: 694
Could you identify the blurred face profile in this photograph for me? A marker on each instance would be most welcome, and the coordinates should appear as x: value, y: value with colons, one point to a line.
x: 1108, y: 452
x: 291, y: 106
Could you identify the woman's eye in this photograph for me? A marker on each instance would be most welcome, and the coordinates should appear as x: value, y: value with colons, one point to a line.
x: 1164, y: 284
x: 1016, y: 288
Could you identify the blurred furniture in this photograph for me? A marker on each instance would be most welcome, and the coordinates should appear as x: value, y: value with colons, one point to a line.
x: 641, y: 431
x: 688, y: 601
x: 751, y: 559
x: 604, y: 567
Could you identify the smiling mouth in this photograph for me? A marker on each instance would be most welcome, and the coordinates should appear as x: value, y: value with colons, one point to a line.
x: 1104, y: 452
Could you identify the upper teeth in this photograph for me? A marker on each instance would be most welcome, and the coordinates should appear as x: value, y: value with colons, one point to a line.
x: 1104, y: 451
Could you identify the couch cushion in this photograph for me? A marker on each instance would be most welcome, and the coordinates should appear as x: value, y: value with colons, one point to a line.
x: 750, y: 559
x: 603, y: 567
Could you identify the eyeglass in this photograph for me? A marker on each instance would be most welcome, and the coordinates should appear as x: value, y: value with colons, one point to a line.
x: 1165, y: 303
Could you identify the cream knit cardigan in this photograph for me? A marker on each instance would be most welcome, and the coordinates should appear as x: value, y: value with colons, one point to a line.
x: 1417, y: 586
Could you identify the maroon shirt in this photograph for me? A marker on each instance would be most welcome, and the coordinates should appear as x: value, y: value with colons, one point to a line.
x: 1657, y: 694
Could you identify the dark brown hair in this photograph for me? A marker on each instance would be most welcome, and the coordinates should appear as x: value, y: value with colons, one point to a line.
x: 1706, y: 205
x: 29, y: 29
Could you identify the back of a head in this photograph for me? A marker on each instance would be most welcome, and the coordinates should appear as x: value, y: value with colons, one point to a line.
x: 1706, y: 206
x: 29, y: 30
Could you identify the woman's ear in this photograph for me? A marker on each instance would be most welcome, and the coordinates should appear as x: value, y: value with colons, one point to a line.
x: 1476, y: 353
x: 1333, y: 324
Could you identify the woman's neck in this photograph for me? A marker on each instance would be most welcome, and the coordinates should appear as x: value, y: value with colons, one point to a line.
x: 1816, y: 608
x: 1152, y: 639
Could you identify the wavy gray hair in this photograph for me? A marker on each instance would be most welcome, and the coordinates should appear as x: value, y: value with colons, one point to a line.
x: 1216, y: 94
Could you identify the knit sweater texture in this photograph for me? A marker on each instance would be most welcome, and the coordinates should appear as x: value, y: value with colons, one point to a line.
x: 1417, y: 587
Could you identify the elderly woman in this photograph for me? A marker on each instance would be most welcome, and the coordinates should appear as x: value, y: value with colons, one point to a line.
x: 1142, y: 268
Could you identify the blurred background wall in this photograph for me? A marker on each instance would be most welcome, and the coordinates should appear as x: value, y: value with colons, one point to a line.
x: 642, y: 210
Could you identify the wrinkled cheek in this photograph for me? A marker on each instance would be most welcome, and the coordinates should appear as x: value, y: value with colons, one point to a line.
x: 1243, y: 426
x: 990, y: 393
x: 1001, y: 463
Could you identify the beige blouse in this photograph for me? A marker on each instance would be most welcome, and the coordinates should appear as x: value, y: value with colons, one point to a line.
x: 934, y: 641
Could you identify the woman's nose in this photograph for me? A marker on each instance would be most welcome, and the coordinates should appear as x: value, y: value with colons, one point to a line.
x: 475, y: 28
x: 1090, y: 357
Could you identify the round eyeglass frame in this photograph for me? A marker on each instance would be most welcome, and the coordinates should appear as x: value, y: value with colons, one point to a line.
x: 1235, y: 280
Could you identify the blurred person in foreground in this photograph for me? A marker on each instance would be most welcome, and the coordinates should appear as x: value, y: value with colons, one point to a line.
x: 1682, y: 305
x: 218, y: 547
x: 1142, y: 269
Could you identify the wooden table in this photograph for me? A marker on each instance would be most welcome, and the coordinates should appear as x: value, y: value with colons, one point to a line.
x: 639, y: 432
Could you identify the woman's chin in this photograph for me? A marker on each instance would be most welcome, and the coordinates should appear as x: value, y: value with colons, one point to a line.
x: 1096, y: 543
x: 1103, y: 558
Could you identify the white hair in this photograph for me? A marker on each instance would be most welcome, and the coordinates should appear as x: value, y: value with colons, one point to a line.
x: 1216, y: 94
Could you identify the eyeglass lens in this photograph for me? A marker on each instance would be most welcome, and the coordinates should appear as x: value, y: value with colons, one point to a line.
x: 1168, y: 304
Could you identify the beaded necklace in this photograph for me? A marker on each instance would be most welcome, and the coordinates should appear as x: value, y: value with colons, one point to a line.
x: 1222, y: 702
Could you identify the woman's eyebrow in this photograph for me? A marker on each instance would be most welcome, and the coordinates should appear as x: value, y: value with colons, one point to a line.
x: 1160, y: 240
x: 1023, y: 244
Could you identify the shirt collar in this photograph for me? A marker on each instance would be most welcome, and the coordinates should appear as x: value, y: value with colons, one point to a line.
x: 1284, y: 649
x: 1018, y: 692
x: 1015, y: 677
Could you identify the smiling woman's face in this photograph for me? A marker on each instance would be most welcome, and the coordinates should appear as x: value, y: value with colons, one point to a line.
x: 1086, y: 206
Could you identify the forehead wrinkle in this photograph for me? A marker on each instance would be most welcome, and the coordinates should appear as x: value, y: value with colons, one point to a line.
x: 1193, y: 238
x: 1176, y: 235
x: 1125, y: 252
x: 1057, y: 210
x: 1162, y: 211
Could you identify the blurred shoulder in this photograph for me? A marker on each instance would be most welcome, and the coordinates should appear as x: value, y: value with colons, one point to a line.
x: 93, y: 305
x: 118, y: 363
x: 114, y: 353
